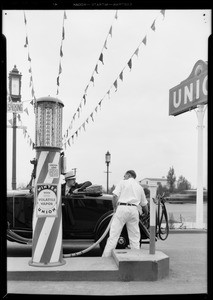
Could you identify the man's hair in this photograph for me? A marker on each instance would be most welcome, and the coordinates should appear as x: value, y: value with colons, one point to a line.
x: 132, y: 173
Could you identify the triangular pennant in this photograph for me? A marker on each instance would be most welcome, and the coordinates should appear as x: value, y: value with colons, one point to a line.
x: 99, y: 103
x: 96, y: 69
x: 105, y: 44
x: 25, y: 20
x: 108, y: 93
x: 68, y: 142
x: 130, y: 63
x: 76, y: 133
x: 153, y: 26
x: 26, y: 43
x: 19, y: 118
x: 33, y: 92
x: 29, y: 59
x: 91, y: 115
x: 163, y: 12
x: 30, y: 70
x: 78, y: 110
x: 10, y: 121
x: 115, y: 85
x: 92, y: 79
x: 26, y: 110
x: 101, y: 58
x: 116, y: 14
x: 74, y: 116
x: 31, y: 102
x: 96, y: 109
x: 84, y: 96
x: 60, y: 69
x: 110, y: 31
x: 144, y: 41
x: 136, y: 51
x: 84, y: 126
x: 87, y: 120
x: 63, y: 33
x: 61, y: 52
x: 73, y: 138
x: 121, y: 76
x: 65, y: 16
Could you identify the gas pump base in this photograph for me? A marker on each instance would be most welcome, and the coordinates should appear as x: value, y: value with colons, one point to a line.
x: 123, y: 265
x: 53, y: 264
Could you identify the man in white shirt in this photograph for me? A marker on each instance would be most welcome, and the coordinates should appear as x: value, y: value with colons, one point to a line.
x: 130, y: 199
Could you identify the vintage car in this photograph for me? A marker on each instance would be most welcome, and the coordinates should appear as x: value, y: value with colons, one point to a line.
x: 83, y: 216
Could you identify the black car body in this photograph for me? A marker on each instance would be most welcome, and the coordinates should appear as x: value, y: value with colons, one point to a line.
x: 83, y: 217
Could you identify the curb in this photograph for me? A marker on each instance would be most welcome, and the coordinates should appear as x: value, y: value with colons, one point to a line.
x: 122, y: 266
x: 187, y: 230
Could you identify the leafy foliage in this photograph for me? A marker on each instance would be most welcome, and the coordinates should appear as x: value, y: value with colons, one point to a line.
x: 171, y: 179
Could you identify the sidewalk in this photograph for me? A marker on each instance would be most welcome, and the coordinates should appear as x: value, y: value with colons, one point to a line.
x: 187, y: 274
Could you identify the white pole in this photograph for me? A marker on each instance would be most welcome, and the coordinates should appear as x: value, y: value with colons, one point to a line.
x: 153, y: 189
x: 199, y: 199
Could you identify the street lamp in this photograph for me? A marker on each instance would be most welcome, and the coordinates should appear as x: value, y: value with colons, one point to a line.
x: 107, y: 160
x: 15, y: 95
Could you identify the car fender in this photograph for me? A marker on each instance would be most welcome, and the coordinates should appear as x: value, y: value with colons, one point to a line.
x: 102, y: 223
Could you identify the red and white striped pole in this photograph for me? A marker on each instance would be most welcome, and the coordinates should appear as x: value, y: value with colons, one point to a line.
x: 47, y: 248
x: 153, y: 189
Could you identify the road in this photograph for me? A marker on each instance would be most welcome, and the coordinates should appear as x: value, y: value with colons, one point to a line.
x: 187, y: 273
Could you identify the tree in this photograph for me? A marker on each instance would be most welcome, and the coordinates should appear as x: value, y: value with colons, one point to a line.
x: 171, y: 178
x: 183, y: 184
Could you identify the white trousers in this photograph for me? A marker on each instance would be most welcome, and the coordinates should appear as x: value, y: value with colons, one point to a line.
x: 124, y: 215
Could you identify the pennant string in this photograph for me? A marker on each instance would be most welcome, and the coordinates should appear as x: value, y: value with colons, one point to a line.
x: 115, y: 83
x: 61, y: 53
x: 31, y: 84
x: 95, y: 71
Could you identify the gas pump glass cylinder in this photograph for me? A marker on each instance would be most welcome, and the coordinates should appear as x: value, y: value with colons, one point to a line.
x: 49, y: 122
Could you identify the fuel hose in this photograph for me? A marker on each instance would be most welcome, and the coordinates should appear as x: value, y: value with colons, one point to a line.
x: 92, y: 246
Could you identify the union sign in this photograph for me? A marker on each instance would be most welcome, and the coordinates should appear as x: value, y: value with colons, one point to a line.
x: 190, y: 92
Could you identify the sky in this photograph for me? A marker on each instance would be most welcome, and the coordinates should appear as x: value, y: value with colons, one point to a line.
x: 133, y: 121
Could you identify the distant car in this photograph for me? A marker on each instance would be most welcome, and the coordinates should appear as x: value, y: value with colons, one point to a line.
x: 83, y: 217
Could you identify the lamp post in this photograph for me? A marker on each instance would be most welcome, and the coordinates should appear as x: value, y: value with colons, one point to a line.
x: 107, y: 160
x: 15, y: 95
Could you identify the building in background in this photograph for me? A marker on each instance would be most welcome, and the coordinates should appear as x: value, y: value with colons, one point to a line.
x: 146, y: 182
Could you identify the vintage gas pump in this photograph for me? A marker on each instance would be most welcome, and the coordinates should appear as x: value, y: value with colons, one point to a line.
x: 47, y: 215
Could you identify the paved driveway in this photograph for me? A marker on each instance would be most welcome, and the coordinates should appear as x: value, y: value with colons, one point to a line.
x: 188, y: 274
